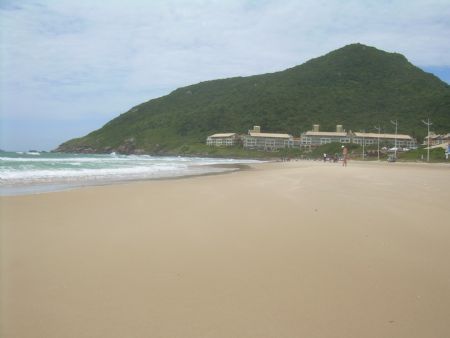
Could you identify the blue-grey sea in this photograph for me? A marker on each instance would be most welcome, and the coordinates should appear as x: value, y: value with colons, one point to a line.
x: 36, y: 172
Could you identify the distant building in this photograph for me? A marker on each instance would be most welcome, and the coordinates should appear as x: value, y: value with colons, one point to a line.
x: 223, y: 140
x: 315, y: 138
x: 266, y: 141
x: 436, y: 139
x: 399, y: 140
x: 446, y: 138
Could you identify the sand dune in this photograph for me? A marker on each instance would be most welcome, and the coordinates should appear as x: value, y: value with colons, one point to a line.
x: 298, y: 249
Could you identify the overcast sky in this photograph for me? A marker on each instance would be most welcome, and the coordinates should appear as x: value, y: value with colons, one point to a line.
x: 69, y: 66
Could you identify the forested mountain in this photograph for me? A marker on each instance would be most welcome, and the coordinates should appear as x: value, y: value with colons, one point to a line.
x: 357, y: 86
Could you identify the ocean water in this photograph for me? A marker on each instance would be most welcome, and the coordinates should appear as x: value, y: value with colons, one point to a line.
x: 34, y: 172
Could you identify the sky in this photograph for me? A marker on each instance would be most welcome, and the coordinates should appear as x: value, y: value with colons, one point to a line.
x: 69, y: 66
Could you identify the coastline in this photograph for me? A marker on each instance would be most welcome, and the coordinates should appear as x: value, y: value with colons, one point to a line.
x: 57, y: 186
x: 286, y: 249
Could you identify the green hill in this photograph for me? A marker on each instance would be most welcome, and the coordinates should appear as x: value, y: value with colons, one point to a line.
x: 357, y: 86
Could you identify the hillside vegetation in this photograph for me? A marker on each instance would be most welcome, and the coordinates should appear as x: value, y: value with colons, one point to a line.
x: 357, y: 86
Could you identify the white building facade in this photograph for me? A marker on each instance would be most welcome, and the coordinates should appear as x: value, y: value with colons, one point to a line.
x: 315, y: 138
x: 223, y: 140
x: 266, y: 141
x: 397, y: 140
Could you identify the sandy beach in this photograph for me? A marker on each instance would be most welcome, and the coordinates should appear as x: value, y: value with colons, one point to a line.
x: 294, y: 249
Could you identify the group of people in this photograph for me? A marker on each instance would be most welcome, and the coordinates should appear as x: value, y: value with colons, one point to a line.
x: 335, y: 157
x: 330, y: 158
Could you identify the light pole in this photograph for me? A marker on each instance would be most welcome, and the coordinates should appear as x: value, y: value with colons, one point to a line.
x: 428, y: 124
x: 364, y: 141
x: 378, y: 142
x: 396, y: 126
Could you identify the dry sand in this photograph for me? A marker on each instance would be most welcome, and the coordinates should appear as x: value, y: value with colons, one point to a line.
x: 300, y: 249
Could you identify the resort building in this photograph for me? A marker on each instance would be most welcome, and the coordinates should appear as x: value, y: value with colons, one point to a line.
x: 266, y: 141
x: 446, y: 138
x: 223, y: 140
x: 399, y: 140
x: 436, y: 139
x: 315, y: 138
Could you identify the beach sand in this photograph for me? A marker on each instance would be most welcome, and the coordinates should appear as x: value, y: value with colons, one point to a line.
x: 295, y: 249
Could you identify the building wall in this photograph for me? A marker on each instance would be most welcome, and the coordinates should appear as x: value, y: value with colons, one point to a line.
x: 267, y: 143
x: 436, y: 139
x: 317, y: 140
x: 391, y: 141
x: 307, y: 141
x: 221, y: 141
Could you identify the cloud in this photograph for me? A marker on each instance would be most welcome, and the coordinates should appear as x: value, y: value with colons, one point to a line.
x: 71, y: 59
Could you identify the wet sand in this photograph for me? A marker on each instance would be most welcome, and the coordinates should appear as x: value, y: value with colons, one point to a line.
x: 298, y: 249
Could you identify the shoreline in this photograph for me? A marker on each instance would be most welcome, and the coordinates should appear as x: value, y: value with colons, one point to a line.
x: 58, y: 186
x: 38, y: 188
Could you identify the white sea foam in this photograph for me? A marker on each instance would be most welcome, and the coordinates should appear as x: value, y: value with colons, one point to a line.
x: 46, y: 175
x: 103, y: 158
x: 66, y: 159
x: 59, y: 170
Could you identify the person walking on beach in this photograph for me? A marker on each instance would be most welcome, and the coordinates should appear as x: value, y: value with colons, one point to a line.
x: 324, y: 157
x: 344, y: 156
